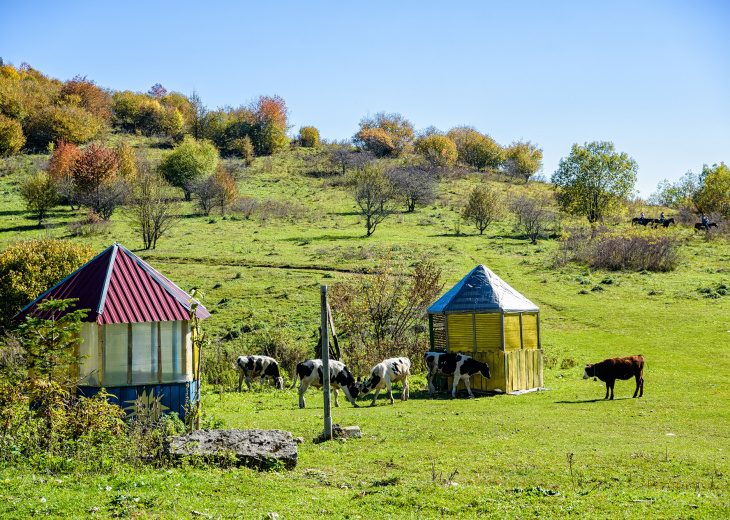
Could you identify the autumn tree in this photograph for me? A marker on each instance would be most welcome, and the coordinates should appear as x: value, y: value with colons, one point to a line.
x: 483, y: 207
x: 437, y: 149
x: 11, y: 136
x: 94, y: 174
x: 188, y: 162
x: 677, y: 194
x: 60, y: 166
x: 475, y: 149
x: 219, y: 190
x: 523, y: 160
x: 39, y: 193
x: 157, y: 91
x: 385, y: 134
x: 309, y: 136
x: 594, y: 179
x: 69, y: 123
x: 373, y: 193
x: 86, y: 94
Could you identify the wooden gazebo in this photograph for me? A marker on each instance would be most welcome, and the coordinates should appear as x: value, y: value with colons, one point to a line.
x: 137, y: 342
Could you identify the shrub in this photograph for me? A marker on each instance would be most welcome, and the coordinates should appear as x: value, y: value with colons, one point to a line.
x: 31, y: 267
x: 384, y: 313
x: 483, y: 207
x: 11, y: 136
x: 650, y: 250
x: 309, y: 136
x: 188, y: 162
x: 55, y: 123
x: 439, y: 150
x: 39, y: 193
x: 246, y: 206
x: 91, y: 225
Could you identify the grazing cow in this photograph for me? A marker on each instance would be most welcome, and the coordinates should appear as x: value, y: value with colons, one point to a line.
x: 310, y: 373
x: 384, y: 374
x: 458, y: 365
x: 609, y: 370
x: 260, y: 367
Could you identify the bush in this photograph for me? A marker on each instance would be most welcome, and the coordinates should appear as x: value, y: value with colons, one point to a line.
x: 91, y: 225
x: 40, y: 194
x: 189, y: 161
x: 31, y: 267
x: 11, y: 136
x: 651, y: 250
x: 68, y: 123
x: 439, y: 150
x: 309, y: 136
x: 384, y: 313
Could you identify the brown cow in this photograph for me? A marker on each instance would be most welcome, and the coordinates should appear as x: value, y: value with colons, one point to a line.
x: 609, y: 370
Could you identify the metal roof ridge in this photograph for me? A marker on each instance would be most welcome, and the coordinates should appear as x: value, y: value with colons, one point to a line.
x: 156, y: 277
x: 107, y: 279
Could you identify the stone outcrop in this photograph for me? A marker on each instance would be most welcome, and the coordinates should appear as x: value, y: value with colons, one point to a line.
x: 263, y: 449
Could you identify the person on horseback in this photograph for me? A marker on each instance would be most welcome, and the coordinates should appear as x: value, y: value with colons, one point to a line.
x: 705, y: 223
x: 642, y: 216
x: 661, y: 217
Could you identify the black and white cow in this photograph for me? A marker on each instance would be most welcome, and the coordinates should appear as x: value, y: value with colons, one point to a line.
x: 310, y: 373
x: 384, y: 374
x: 258, y: 367
x: 459, y: 366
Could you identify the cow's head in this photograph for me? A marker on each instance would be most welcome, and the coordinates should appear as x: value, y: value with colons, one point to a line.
x: 590, y: 372
x: 279, y: 382
x: 368, y: 385
x: 485, y: 371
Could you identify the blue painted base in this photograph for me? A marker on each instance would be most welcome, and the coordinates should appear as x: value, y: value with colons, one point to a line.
x: 176, y: 397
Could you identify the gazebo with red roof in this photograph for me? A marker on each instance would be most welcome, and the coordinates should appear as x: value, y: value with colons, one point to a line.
x: 137, y: 337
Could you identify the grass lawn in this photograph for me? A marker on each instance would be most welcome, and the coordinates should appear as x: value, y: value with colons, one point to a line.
x: 563, y: 453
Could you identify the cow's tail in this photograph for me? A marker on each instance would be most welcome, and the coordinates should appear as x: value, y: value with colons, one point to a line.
x: 296, y: 375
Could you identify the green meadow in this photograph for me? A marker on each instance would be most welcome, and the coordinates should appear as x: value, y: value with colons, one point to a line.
x: 560, y: 453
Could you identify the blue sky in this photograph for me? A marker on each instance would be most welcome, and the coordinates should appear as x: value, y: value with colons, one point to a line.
x: 653, y: 77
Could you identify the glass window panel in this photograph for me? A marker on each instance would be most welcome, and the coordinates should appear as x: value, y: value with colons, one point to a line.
x: 144, y: 353
x: 173, y: 368
x: 115, y: 354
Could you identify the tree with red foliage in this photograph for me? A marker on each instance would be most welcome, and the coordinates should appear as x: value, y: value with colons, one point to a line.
x: 157, y: 91
x: 94, y: 173
x: 62, y: 160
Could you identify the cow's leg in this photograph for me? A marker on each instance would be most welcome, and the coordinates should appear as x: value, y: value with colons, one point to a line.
x: 429, y: 378
x: 302, y: 389
x: 639, y: 385
x: 240, y: 379
x: 467, y: 384
x: 377, y: 391
x: 613, y: 383
x: 406, y: 391
x: 248, y: 381
x: 608, y: 385
x: 457, y: 378
x: 389, y: 383
x: 334, y: 391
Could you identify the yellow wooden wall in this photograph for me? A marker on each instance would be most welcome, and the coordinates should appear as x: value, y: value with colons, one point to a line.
x: 460, y: 329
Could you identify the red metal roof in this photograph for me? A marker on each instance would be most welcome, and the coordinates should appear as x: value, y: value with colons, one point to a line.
x: 119, y: 287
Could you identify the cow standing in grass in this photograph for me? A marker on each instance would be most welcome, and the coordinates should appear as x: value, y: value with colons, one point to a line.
x: 384, y: 374
x: 310, y: 373
x: 258, y: 367
x: 459, y: 366
x: 609, y: 370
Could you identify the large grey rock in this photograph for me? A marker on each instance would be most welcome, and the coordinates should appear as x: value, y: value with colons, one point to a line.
x: 257, y: 448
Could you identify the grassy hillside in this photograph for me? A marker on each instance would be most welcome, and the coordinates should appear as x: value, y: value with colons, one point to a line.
x: 662, y: 456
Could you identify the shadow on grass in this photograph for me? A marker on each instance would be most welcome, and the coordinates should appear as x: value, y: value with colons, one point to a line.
x: 598, y: 400
x: 33, y: 227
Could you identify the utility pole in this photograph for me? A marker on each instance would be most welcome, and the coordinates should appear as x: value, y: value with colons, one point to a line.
x: 326, y: 364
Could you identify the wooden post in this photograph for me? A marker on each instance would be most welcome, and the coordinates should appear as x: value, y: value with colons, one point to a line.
x: 325, y: 363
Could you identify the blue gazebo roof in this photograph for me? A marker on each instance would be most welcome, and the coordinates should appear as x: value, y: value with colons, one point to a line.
x: 482, y: 291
